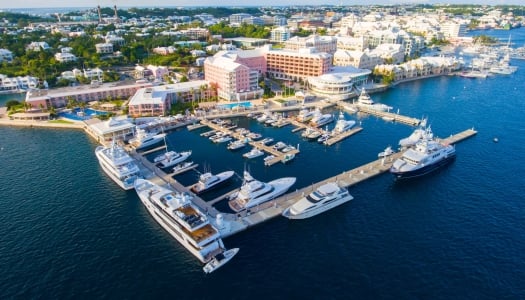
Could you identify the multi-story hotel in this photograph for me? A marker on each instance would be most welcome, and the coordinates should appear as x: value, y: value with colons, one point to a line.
x: 326, y: 44
x: 156, y: 101
x: 338, y: 84
x: 236, y: 74
x: 296, y: 65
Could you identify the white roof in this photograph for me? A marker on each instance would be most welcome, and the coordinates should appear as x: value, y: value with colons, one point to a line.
x: 111, y: 125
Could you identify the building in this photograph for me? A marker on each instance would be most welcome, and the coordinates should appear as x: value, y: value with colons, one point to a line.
x: 115, y: 40
x: 104, y: 48
x: 60, y: 97
x: 6, y: 55
x: 352, y: 43
x: 157, y: 101
x: 234, y: 80
x: 17, y: 84
x: 357, y: 59
x: 195, y: 33
x: 253, y: 20
x: 326, y: 44
x: 237, y: 18
x: 120, y: 128
x: 65, y: 57
x: 339, y: 84
x: 296, y: 65
x: 453, y: 29
x: 37, y: 46
x: 280, y: 34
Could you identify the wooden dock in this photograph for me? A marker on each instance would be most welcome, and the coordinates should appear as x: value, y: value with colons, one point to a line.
x: 341, y: 136
x: 390, y: 116
x: 154, y: 150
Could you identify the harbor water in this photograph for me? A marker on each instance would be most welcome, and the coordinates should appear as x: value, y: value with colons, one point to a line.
x: 68, y: 231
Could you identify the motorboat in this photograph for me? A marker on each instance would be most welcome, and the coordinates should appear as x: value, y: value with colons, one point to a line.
x: 321, y: 120
x: 183, y: 167
x: 306, y: 115
x: 324, y: 137
x: 254, y: 192
x: 288, y: 148
x: 255, y: 152
x: 220, y: 260
x: 209, y: 180
x: 385, y: 153
x: 287, y: 157
x: 174, y: 158
x: 118, y: 165
x: 364, y: 100
x: 474, y: 74
x: 176, y: 213
x: 343, y: 125
x: 268, y: 158
x: 145, y: 139
x: 420, y: 133
x: 223, y: 139
x: 235, y: 145
x: 254, y: 136
x: 163, y: 156
x: 279, y: 146
x: 325, y: 197
x: 427, y: 156
x: 266, y: 141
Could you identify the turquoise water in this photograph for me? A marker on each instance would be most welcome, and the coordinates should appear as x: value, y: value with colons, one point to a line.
x: 68, y: 231
x: 88, y: 114
x: 236, y: 104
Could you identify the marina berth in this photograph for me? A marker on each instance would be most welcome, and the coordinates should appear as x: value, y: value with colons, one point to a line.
x: 181, y: 219
x: 118, y: 165
x: 306, y: 115
x: 207, y: 181
x: 321, y: 119
x: 343, y: 125
x: 236, y: 145
x: 385, y: 153
x: 254, y: 192
x: 324, y: 198
x: 419, y: 134
x: 183, y: 167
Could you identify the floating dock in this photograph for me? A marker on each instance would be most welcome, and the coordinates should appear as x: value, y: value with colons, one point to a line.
x: 343, y: 135
x: 265, y: 211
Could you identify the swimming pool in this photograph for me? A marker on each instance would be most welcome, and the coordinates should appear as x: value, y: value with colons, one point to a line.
x: 77, y: 116
x: 232, y: 105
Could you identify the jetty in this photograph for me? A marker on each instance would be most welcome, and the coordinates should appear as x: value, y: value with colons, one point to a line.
x: 279, y: 156
x: 343, y: 135
x: 273, y: 208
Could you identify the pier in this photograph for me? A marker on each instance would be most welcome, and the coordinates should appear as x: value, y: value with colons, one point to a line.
x: 343, y: 135
x: 273, y: 208
x: 378, y: 113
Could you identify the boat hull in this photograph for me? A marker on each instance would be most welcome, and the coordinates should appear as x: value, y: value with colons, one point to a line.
x: 402, y: 175
x: 315, y: 211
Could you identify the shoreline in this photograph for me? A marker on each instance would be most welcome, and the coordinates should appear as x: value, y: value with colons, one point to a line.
x: 40, y: 124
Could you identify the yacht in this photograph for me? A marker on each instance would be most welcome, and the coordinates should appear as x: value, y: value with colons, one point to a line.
x: 118, y: 165
x: 254, y: 136
x: 236, y: 145
x: 255, y: 152
x: 288, y: 148
x: 254, y: 192
x: 385, y: 153
x: 323, y: 138
x: 343, y: 125
x: 220, y: 260
x: 364, y: 100
x: 321, y: 120
x: 163, y: 156
x: 279, y: 146
x: 474, y: 74
x: 419, y: 134
x: 179, y: 217
x: 306, y: 115
x: 425, y: 157
x: 183, y: 167
x: 266, y: 141
x: 503, y: 69
x: 325, y: 197
x: 174, y: 158
x: 145, y: 139
x: 223, y: 139
x: 208, y: 181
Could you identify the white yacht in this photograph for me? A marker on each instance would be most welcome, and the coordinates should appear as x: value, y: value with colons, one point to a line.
x: 209, y: 180
x: 177, y: 215
x: 223, y: 139
x: 321, y: 120
x: 174, y: 158
x: 220, y: 260
x: 419, y: 134
x: 183, y: 167
x: 255, y: 152
x: 324, y: 137
x: 118, y: 165
x: 236, y: 145
x: 365, y: 101
x: 163, y: 156
x: 425, y: 157
x: 325, y: 197
x: 254, y: 192
x: 279, y: 145
x: 266, y: 141
x: 343, y: 125
x: 385, y: 153
x: 306, y: 115
x: 145, y: 139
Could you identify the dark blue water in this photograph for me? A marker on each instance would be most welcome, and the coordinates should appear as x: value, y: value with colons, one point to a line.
x: 69, y: 231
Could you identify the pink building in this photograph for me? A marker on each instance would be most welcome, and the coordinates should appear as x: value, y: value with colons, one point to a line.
x: 234, y: 79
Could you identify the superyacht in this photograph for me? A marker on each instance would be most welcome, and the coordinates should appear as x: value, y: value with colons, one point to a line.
x: 118, y: 165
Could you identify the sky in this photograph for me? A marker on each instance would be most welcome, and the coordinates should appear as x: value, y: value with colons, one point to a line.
x: 171, y: 3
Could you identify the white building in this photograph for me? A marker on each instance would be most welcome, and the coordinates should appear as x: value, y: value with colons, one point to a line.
x: 338, y: 84
x: 65, y: 57
x: 6, y: 55
x: 280, y: 34
x: 104, y: 48
x: 453, y: 29
x: 37, y: 46
x: 357, y: 59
